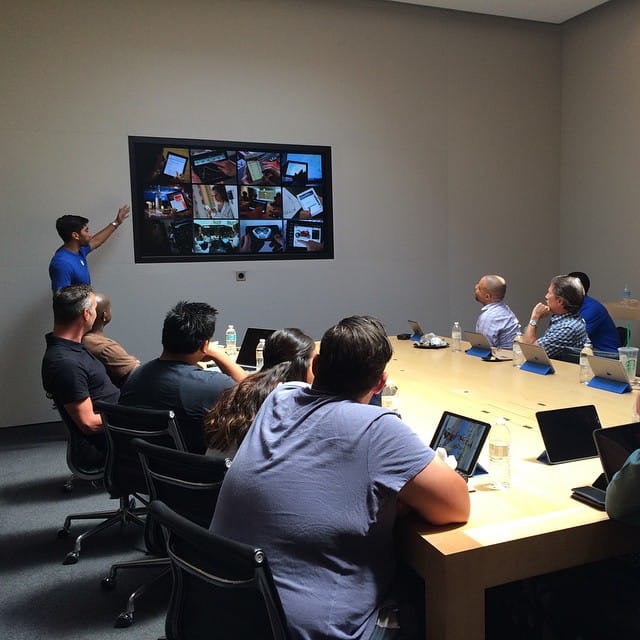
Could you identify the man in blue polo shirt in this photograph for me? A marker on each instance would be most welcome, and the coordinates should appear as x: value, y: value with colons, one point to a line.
x: 69, y: 263
x: 600, y: 326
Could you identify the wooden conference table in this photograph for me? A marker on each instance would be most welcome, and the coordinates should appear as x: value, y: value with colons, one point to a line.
x: 534, y: 527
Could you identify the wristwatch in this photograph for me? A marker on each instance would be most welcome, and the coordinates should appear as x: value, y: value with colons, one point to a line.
x: 115, y: 224
x: 533, y: 323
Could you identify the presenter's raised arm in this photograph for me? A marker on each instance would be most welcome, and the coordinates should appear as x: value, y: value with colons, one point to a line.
x: 101, y: 236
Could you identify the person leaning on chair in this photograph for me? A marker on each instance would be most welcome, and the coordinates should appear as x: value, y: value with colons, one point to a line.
x: 496, y: 321
x: 73, y: 377
x: 566, y: 327
x: 318, y: 482
x: 118, y: 363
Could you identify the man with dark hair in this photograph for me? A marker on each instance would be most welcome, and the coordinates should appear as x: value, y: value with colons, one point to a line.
x: 175, y: 381
x: 318, y: 482
x: 496, y: 320
x: 71, y: 375
x: 118, y: 363
x: 69, y: 263
x: 600, y: 326
x: 566, y: 329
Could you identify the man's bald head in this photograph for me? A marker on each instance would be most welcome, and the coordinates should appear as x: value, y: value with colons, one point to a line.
x: 490, y: 289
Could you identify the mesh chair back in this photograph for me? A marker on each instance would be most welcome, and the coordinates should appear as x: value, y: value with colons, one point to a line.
x: 221, y: 588
x: 188, y: 483
x: 123, y: 473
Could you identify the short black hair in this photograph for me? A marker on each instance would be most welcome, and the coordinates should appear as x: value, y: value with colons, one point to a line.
x: 67, y: 224
x: 584, y: 278
x: 353, y: 356
x: 69, y: 303
x: 187, y: 326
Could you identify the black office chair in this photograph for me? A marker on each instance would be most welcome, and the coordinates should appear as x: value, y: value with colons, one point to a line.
x: 190, y: 484
x: 624, y: 334
x: 86, y: 463
x: 123, y: 474
x: 221, y: 588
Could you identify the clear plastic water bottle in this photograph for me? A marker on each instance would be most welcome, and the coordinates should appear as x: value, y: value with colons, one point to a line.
x: 585, y: 368
x: 390, y: 398
x: 260, y: 354
x: 500, y: 455
x: 456, y: 336
x: 230, y: 339
x: 626, y: 294
x: 518, y: 358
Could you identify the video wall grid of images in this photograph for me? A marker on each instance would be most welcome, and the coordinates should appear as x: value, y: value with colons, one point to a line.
x: 200, y: 200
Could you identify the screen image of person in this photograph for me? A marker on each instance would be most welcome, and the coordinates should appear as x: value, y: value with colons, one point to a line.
x: 261, y: 238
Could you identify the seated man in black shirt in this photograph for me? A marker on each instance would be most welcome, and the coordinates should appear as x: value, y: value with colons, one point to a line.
x: 71, y: 375
x: 175, y: 381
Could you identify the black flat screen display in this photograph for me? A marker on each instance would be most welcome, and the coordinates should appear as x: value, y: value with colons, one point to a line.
x: 206, y: 200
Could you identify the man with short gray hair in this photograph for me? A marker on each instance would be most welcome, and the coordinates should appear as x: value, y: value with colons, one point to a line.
x: 567, y: 329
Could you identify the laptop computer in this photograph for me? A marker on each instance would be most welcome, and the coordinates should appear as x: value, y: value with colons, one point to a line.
x: 614, y: 446
x: 247, y: 355
x: 568, y: 433
x: 416, y: 329
x: 480, y: 346
x: 608, y: 374
x: 536, y: 359
x: 463, y: 438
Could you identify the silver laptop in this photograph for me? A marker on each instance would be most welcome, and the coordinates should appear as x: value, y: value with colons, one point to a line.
x: 608, y: 368
x: 479, y: 344
x: 536, y: 359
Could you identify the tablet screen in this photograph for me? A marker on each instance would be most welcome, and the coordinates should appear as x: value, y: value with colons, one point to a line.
x: 175, y: 165
x: 462, y: 437
x: 568, y: 433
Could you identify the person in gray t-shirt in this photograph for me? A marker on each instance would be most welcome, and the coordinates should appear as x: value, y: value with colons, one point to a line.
x: 318, y: 480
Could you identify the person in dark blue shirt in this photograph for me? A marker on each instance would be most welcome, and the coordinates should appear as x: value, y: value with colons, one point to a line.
x: 69, y: 263
x: 600, y: 327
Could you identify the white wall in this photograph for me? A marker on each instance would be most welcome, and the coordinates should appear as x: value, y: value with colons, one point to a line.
x: 600, y: 198
x: 445, y: 135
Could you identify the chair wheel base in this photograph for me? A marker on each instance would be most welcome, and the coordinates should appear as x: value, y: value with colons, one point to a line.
x: 71, y: 558
x: 124, y: 620
x: 108, y: 583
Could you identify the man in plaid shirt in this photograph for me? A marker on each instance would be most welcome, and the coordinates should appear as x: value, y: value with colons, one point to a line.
x: 566, y: 328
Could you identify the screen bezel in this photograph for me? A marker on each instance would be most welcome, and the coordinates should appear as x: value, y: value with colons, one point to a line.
x: 481, y: 431
x: 178, y: 231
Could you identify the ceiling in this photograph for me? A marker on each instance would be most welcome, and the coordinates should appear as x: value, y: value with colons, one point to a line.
x: 555, y: 11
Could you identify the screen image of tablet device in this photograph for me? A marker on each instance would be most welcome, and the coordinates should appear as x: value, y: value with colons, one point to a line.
x: 310, y: 201
x: 568, y: 433
x: 177, y: 201
x: 302, y: 233
x: 175, y: 165
x: 294, y: 168
x: 255, y: 170
x: 463, y: 438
